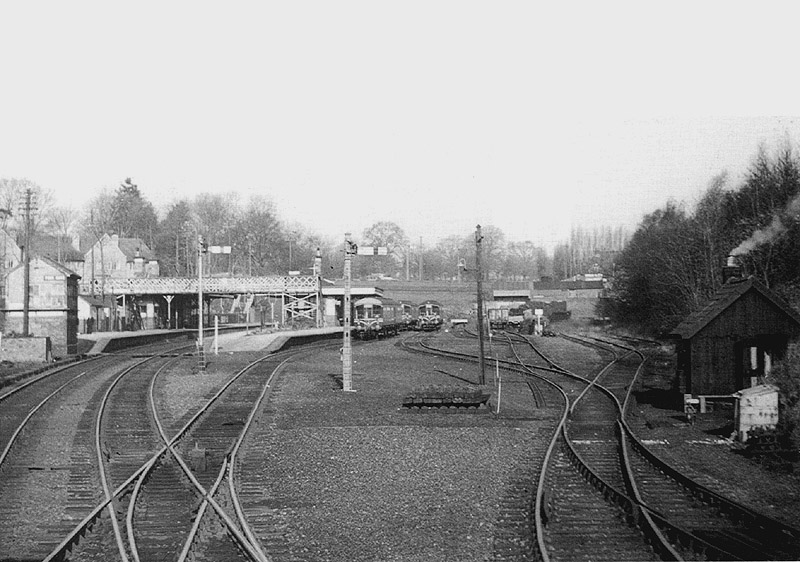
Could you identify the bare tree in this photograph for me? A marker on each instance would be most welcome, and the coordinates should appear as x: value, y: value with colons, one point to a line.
x: 62, y: 220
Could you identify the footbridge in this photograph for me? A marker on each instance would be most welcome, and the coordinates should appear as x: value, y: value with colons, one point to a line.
x: 299, y: 295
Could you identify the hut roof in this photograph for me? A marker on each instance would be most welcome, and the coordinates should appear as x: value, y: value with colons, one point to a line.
x: 725, y: 297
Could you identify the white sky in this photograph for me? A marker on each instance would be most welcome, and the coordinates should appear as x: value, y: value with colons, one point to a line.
x: 530, y: 116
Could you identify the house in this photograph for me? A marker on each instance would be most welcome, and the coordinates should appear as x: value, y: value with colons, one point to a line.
x: 732, y: 342
x: 52, y: 304
x: 116, y: 257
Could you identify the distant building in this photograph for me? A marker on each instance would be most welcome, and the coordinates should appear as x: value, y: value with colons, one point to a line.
x: 53, y: 304
x: 581, y: 293
x: 118, y: 258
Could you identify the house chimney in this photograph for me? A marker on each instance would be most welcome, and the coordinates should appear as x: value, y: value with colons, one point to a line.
x: 732, y: 270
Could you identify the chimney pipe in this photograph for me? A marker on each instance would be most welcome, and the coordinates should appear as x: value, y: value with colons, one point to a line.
x: 732, y: 270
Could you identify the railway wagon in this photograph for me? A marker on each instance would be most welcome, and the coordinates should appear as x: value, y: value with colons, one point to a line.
x: 498, y: 318
x: 429, y: 316
x: 505, y: 314
x: 409, y: 314
x: 377, y: 317
x: 553, y: 310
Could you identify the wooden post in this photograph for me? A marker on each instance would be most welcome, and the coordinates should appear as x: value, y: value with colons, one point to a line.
x: 216, y: 334
x: 479, y: 274
x: 26, y: 291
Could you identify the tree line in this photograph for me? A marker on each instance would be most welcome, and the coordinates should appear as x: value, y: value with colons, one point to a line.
x: 673, y: 262
x: 264, y: 244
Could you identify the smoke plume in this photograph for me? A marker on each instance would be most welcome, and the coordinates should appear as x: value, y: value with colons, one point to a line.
x: 768, y: 233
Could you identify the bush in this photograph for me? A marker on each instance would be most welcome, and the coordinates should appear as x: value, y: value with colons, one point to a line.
x: 786, y: 376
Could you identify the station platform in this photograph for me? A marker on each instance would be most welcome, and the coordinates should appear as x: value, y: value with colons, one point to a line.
x: 233, y: 338
x: 269, y: 341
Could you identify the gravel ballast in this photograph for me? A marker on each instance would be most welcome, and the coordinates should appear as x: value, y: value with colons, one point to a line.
x: 354, y: 476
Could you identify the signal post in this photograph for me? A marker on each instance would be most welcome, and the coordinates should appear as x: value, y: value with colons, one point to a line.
x: 351, y: 249
x: 347, y: 350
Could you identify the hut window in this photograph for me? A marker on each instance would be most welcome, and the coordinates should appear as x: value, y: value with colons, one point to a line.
x: 754, y: 358
x: 767, y: 363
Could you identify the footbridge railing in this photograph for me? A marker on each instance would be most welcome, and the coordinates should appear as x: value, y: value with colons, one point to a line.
x: 268, y: 285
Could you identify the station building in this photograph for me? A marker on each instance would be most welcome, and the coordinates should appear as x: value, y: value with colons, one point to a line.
x: 52, y: 308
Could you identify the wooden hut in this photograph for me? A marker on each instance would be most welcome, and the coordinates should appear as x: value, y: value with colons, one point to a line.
x: 733, y: 341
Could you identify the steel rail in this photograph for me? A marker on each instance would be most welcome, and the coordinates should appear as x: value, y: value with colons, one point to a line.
x: 706, y: 495
x: 198, y: 520
x: 169, y: 447
x: 140, y: 480
x: 234, y: 457
x: 45, y: 374
x: 539, y: 500
x: 30, y: 415
x: 629, y: 505
x: 61, y: 550
x: 560, y: 434
x: 101, y: 465
x: 645, y: 515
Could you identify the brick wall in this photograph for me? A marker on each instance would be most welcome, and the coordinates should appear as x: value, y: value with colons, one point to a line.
x: 25, y: 349
x: 51, y: 325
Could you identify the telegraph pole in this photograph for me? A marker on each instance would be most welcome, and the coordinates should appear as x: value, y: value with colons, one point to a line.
x: 27, y: 210
x: 347, y: 351
x: 479, y: 273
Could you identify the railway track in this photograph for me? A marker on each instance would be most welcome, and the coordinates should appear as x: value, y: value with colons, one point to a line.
x: 693, y: 521
x: 599, y: 494
x: 514, y: 538
x: 47, y: 433
x: 171, y: 511
x: 142, y: 492
x: 599, y: 480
